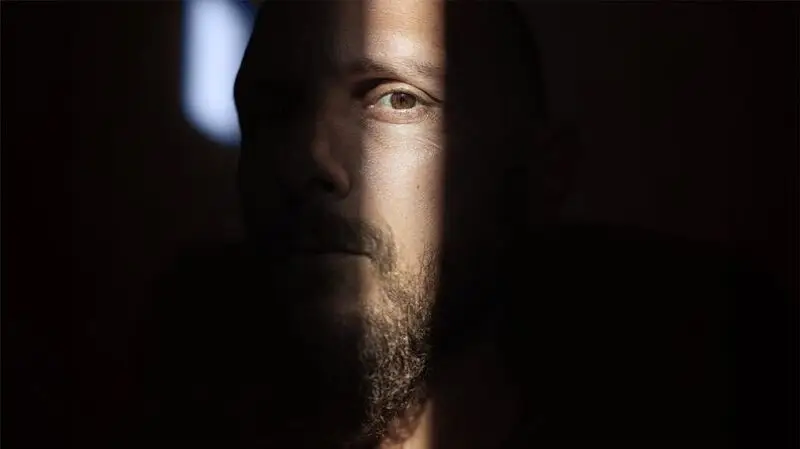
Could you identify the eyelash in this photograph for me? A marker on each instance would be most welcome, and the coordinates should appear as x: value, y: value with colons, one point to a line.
x: 420, y: 111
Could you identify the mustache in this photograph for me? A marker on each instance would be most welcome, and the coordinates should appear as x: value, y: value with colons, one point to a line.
x: 321, y: 231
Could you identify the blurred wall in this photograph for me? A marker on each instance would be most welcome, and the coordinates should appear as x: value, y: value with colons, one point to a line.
x: 688, y: 114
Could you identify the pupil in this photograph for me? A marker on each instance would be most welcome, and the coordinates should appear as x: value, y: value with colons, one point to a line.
x: 402, y: 100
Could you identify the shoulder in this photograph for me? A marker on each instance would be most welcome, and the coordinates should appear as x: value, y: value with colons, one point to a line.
x: 593, y: 260
x: 632, y: 334
x: 599, y: 279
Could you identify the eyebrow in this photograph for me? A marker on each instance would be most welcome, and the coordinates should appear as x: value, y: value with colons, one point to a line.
x: 400, y: 68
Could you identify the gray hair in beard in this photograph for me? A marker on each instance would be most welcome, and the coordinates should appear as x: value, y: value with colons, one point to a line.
x: 395, y: 351
x: 378, y: 354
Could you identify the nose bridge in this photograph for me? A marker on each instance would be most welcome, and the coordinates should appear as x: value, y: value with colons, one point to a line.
x: 323, y: 134
x: 328, y: 146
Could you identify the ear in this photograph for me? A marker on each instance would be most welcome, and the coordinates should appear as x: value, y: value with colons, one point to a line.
x: 553, y: 169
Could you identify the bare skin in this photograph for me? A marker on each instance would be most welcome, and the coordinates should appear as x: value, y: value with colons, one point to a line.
x: 378, y: 304
x: 350, y: 127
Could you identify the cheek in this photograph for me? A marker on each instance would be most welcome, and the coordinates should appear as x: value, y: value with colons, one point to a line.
x: 402, y: 176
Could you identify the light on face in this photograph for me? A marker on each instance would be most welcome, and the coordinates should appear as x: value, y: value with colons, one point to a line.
x: 215, y: 35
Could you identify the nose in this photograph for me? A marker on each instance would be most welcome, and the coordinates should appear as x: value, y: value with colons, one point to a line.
x: 310, y: 159
x: 326, y: 172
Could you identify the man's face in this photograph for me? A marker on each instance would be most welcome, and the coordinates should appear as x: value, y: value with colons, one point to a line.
x: 351, y: 132
x: 349, y: 112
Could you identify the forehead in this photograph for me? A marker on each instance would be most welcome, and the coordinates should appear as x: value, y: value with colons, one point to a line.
x: 313, y: 35
x: 474, y: 48
x: 420, y: 19
x: 405, y: 28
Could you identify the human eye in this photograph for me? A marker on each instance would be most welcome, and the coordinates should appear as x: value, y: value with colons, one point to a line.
x: 397, y: 103
x: 398, y: 100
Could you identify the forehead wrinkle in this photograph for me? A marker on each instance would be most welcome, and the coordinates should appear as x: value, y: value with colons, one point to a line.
x: 402, y: 34
x: 388, y: 53
x: 404, y: 48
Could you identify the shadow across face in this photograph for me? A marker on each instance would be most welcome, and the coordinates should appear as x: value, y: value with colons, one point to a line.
x: 392, y: 162
x: 376, y: 152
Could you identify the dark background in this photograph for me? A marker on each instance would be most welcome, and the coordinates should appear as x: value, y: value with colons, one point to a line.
x: 688, y: 114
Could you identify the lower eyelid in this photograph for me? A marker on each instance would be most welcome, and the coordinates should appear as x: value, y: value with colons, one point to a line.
x: 421, y: 98
x: 413, y: 116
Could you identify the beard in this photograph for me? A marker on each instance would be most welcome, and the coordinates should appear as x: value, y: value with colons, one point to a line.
x: 394, y: 352
x: 354, y: 339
